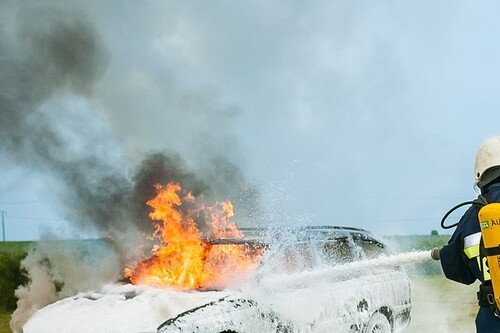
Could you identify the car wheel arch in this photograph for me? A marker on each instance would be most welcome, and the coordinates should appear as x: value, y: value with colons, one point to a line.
x: 387, y: 312
x: 380, y: 321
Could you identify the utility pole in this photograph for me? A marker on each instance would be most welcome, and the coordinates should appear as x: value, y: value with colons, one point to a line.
x: 3, y: 224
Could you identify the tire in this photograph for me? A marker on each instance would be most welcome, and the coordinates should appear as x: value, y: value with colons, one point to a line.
x: 378, y: 323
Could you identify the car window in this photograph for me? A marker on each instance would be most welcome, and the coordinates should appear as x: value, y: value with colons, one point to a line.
x: 309, y: 248
x: 346, y: 250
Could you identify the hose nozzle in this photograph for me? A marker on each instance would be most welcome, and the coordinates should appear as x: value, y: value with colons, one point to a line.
x: 435, y: 253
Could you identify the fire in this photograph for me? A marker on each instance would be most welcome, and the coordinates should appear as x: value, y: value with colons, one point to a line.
x: 184, y: 259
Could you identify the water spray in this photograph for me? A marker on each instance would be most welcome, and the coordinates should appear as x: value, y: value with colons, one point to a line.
x: 309, y: 277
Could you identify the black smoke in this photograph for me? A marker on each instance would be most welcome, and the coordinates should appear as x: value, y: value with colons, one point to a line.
x: 218, y: 180
x: 50, y: 62
x: 160, y: 168
x: 54, y: 55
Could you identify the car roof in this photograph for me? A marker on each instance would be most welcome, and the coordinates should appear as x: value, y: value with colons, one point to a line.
x: 266, y: 235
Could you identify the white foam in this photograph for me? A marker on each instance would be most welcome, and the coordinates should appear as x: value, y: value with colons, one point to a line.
x: 313, y: 276
x: 297, y: 297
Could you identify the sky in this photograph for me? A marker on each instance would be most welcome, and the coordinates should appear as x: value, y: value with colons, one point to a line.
x: 362, y: 114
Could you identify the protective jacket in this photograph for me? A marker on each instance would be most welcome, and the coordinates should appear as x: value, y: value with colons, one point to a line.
x: 460, y: 258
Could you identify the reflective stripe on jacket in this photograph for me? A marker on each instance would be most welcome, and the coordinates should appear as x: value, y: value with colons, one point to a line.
x: 471, y: 250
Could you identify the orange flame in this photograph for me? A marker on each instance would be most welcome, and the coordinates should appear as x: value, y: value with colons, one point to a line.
x: 183, y: 260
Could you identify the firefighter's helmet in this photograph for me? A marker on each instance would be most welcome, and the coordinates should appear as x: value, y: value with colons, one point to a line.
x: 487, y: 157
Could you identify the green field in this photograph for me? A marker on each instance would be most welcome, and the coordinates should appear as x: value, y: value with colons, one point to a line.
x: 4, y: 322
x: 15, y: 247
x: 11, y: 253
x: 439, y: 305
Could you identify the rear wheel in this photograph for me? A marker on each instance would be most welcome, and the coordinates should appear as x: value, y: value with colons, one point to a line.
x: 378, y: 324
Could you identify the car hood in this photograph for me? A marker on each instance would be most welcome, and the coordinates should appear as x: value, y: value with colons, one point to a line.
x: 117, y: 308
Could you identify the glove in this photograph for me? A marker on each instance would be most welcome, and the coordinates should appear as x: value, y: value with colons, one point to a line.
x: 435, y: 253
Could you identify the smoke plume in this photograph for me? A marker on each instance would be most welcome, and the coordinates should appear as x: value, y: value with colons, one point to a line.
x: 50, y: 62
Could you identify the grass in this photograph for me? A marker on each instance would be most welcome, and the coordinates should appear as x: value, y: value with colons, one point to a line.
x: 441, y: 305
x: 4, y: 322
x: 15, y: 247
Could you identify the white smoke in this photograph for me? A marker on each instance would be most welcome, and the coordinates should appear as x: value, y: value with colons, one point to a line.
x: 59, y: 269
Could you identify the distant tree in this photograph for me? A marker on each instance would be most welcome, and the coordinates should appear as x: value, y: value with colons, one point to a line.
x: 434, y: 232
x: 11, y: 277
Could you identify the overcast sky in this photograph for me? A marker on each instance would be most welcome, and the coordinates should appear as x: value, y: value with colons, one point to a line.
x: 357, y: 113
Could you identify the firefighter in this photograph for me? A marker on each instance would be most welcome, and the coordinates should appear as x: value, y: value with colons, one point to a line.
x: 460, y: 258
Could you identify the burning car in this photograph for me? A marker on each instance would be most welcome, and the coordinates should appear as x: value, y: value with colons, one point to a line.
x: 204, y: 274
x: 306, y: 284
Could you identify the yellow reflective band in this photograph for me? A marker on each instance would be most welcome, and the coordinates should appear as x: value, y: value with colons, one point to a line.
x: 485, y: 270
x: 472, y: 251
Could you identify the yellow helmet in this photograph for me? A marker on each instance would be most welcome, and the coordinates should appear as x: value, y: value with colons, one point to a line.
x: 488, y: 156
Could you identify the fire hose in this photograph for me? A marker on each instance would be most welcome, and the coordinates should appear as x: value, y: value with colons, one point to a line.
x: 435, y: 254
x: 481, y: 200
